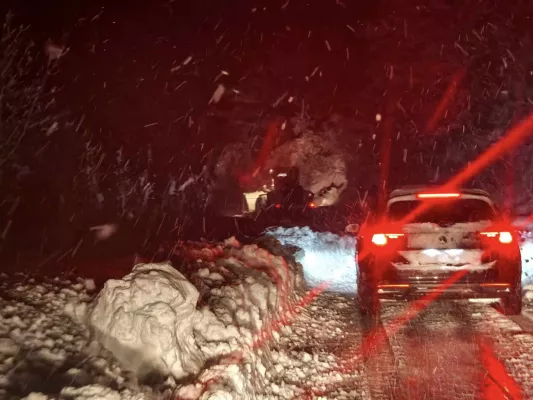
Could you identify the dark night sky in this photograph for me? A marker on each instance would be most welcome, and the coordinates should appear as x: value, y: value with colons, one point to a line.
x: 118, y: 70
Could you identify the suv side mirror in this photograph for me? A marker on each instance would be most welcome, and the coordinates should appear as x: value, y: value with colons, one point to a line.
x: 352, y: 228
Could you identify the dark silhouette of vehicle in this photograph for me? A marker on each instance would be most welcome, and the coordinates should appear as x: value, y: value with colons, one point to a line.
x: 450, y: 245
x: 287, y: 197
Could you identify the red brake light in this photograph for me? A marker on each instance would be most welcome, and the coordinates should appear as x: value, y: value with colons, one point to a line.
x: 506, y: 237
x: 278, y: 205
x: 438, y: 195
x: 503, y: 237
x: 312, y: 205
x: 381, y: 239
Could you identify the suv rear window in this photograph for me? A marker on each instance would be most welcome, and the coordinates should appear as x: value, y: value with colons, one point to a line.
x: 450, y: 210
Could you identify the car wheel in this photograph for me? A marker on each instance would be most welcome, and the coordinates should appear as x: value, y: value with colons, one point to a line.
x: 512, y: 304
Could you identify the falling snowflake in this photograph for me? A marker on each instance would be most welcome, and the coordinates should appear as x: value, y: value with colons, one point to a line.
x: 217, y: 95
x: 53, y: 51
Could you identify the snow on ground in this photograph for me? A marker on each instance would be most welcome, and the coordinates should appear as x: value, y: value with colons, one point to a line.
x: 229, y: 322
x: 326, y: 258
x: 455, y: 349
x: 319, y: 355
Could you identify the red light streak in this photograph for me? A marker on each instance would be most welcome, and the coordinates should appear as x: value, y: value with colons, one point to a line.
x: 497, y: 382
x: 446, y: 100
x: 514, y: 138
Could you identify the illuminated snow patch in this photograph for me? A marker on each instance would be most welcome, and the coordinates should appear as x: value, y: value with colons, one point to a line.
x: 325, y: 257
x: 526, y: 250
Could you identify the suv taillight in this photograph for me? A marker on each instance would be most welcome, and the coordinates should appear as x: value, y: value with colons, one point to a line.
x: 504, y: 237
x: 382, y: 239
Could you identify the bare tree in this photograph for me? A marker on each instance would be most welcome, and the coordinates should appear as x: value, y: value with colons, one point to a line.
x: 25, y: 98
x: 28, y: 119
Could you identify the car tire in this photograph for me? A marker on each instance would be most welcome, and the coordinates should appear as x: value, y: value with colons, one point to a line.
x: 367, y: 300
x: 512, y: 304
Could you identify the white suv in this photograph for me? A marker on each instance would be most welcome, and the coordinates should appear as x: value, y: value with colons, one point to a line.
x: 451, y: 244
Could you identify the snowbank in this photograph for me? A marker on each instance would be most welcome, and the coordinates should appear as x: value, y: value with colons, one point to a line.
x: 158, y: 323
x: 146, y: 320
x: 326, y: 258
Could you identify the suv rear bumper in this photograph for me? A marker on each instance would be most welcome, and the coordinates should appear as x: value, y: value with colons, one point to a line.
x: 405, y: 291
x: 388, y: 282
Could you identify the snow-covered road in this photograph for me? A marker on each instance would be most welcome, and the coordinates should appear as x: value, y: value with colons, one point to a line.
x: 451, y: 350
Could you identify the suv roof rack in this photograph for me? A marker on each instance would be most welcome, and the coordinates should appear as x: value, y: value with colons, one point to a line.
x: 408, y: 190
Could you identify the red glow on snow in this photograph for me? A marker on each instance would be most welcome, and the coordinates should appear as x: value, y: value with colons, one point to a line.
x: 415, y: 307
x: 497, y: 385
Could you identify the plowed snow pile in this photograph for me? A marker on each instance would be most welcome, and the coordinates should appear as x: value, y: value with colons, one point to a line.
x: 147, y: 320
x: 196, y: 330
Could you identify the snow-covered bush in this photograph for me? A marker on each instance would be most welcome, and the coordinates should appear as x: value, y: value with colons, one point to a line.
x: 26, y: 102
x: 128, y: 189
x: 315, y: 150
x: 28, y: 119
x: 320, y: 161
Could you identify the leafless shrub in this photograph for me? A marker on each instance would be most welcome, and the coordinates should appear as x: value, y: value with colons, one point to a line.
x: 29, y: 120
x: 119, y: 185
x: 25, y: 99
